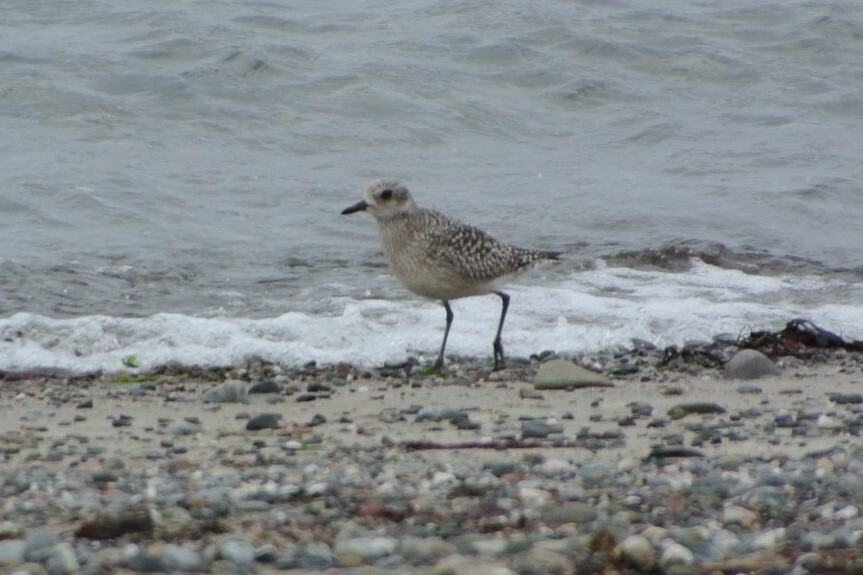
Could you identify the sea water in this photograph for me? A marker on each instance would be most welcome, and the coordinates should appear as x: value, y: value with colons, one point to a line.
x: 173, y: 173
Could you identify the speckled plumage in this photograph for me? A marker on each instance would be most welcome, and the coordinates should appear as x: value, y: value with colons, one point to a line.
x: 442, y: 258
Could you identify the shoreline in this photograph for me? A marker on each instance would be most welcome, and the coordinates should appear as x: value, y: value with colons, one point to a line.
x: 357, y: 470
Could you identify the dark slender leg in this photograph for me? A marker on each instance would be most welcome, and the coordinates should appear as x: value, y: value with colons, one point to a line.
x: 498, y: 346
x: 439, y: 363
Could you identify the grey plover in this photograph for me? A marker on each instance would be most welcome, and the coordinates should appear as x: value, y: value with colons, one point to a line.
x: 441, y: 258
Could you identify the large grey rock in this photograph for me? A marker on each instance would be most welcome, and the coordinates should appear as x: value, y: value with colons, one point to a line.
x: 563, y: 374
x: 227, y: 392
x: 750, y: 364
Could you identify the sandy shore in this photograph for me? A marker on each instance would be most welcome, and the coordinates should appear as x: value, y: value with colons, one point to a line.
x: 339, y: 420
x: 378, y: 411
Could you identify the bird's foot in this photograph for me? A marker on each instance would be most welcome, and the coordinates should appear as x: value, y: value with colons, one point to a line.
x: 499, y: 361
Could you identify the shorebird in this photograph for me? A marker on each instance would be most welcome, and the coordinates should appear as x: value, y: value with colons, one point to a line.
x: 441, y: 258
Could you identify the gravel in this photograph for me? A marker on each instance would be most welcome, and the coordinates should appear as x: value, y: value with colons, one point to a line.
x: 435, y: 473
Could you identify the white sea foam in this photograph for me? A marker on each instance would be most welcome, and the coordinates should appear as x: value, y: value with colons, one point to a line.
x: 589, y: 311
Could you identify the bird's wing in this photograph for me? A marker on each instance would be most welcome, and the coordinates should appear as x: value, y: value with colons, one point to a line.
x: 471, y: 253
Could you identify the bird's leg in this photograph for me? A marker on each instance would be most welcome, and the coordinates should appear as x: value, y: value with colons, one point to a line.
x: 449, y: 315
x: 498, y: 346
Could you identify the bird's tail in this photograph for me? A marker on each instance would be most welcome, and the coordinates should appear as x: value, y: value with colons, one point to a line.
x: 533, y: 258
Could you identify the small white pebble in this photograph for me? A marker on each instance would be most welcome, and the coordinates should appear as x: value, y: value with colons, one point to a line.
x: 827, y: 422
x: 847, y: 512
x: 675, y: 554
x: 769, y: 539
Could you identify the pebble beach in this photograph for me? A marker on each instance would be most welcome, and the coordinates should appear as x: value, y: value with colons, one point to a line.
x: 627, y: 464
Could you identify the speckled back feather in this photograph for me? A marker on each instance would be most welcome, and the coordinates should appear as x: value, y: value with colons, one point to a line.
x: 473, y: 254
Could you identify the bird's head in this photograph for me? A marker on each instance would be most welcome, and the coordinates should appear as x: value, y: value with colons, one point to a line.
x: 383, y: 199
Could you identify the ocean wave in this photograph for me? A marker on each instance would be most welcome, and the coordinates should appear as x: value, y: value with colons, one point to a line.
x: 589, y: 311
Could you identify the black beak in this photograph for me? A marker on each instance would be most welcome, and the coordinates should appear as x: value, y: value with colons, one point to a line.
x: 357, y: 207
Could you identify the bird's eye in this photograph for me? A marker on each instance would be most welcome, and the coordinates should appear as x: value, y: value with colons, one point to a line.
x: 386, y: 194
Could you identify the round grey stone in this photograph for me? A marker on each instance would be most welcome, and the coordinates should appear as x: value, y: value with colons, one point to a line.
x: 749, y: 388
x: 425, y: 550
x: 675, y: 554
x: 641, y: 408
x: 535, y: 429
x: 184, y: 428
x: 40, y: 545
x: 12, y: 551
x: 750, y: 364
x: 266, y: 386
x: 62, y: 560
x: 368, y: 548
x: 564, y: 374
x: 428, y: 414
x: 819, y: 541
x: 264, y: 421
x: 267, y: 553
x: 178, y: 558
x: 578, y: 513
x: 636, y: 551
x: 238, y: 551
x: 315, y: 555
